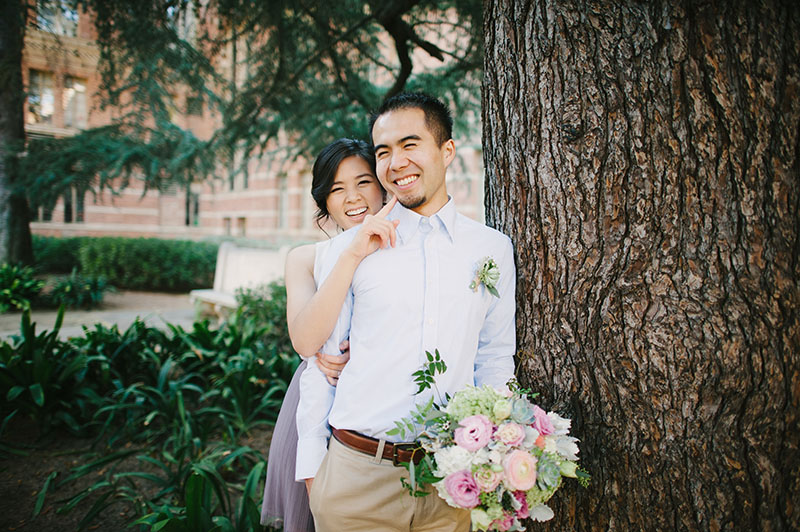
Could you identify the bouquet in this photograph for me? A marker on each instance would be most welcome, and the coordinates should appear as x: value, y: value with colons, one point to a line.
x: 494, y: 453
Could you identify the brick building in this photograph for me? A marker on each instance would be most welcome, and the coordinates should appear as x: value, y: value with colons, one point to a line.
x: 268, y: 202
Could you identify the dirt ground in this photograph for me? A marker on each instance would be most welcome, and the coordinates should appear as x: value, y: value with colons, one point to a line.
x: 23, y: 476
x: 119, y: 308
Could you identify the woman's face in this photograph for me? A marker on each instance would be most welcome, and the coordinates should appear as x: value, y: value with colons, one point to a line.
x: 354, y: 194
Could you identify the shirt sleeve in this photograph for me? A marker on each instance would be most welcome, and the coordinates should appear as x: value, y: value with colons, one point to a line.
x: 497, y: 342
x: 316, y: 395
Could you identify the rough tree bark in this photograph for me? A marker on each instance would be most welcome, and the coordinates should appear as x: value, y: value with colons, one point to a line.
x: 644, y: 157
x: 15, y: 235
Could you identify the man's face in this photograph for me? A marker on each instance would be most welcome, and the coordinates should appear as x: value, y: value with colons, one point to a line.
x: 410, y: 163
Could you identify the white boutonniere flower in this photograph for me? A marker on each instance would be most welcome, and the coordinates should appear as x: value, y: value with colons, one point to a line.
x: 487, y: 274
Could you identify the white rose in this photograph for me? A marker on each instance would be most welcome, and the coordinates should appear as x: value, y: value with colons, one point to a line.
x: 567, y: 447
x: 541, y: 512
x: 560, y: 425
x: 452, y: 459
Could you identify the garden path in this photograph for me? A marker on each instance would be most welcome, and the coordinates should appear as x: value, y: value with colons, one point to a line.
x: 120, y: 308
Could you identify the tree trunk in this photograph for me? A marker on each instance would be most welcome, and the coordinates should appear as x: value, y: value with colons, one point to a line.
x: 644, y: 158
x: 15, y: 233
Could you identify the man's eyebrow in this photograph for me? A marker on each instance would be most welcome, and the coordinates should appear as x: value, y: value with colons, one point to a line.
x: 404, y: 139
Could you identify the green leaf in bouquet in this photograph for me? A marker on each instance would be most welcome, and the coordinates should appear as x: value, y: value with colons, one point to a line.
x: 420, y: 477
x: 425, y: 377
x: 584, y: 478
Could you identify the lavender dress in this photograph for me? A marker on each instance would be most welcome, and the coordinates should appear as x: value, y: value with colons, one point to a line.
x: 286, y: 501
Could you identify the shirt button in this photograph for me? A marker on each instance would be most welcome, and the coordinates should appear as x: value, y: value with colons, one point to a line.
x: 430, y: 321
x: 425, y: 225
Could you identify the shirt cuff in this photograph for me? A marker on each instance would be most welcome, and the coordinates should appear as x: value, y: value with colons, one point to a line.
x: 310, y: 453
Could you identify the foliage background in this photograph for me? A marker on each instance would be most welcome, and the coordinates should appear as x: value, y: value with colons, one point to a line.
x: 170, y: 413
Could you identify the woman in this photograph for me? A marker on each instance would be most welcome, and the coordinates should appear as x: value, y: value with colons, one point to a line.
x: 346, y: 190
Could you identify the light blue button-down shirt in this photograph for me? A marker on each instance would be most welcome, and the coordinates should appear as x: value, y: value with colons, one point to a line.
x: 403, y: 301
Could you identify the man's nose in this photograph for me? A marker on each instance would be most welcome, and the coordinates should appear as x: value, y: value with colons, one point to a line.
x: 399, y: 161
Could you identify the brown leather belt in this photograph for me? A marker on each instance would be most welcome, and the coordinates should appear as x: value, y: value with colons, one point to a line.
x: 396, y: 452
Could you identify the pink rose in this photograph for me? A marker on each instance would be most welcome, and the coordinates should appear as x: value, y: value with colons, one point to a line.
x: 474, y: 432
x: 462, y: 488
x: 510, y: 434
x: 541, y: 422
x: 520, y: 470
x: 523, y: 512
x: 504, y: 523
x: 486, y: 479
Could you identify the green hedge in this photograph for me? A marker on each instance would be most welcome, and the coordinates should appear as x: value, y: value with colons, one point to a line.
x: 57, y: 255
x: 134, y: 263
x: 149, y: 263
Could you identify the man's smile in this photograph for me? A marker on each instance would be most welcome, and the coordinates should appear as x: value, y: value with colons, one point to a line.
x: 406, y: 181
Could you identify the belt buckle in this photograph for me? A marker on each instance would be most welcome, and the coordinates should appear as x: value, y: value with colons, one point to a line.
x: 413, y: 447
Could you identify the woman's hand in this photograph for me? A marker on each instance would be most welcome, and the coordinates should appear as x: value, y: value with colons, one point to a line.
x: 376, y: 232
x: 332, y: 365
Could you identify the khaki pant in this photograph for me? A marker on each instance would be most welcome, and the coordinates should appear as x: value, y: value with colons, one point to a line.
x: 354, y: 492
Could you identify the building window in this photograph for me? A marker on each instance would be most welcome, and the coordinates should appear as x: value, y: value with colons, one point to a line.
x: 47, y: 213
x: 74, y: 100
x: 239, y: 176
x: 41, y: 97
x: 56, y: 16
x: 240, y: 226
x: 74, y: 205
x: 80, y: 205
x: 68, y: 207
x: 226, y: 225
x: 192, y: 208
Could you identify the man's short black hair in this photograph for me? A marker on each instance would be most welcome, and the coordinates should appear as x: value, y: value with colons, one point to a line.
x: 437, y: 116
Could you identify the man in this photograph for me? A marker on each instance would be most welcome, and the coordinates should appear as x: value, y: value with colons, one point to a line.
x: 405, y: 300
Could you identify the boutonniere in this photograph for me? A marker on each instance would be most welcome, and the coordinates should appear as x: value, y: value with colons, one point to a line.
x: 487, y: 273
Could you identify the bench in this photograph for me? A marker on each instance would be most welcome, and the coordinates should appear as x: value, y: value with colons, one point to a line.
x: 238, y: 267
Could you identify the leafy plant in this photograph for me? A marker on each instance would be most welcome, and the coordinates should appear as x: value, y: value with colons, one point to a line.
x: 179, y: 401
x: 44, y: 377
x: 17, y: 287
x: 78, y: 291
x: 125, y: 357
x: 205, y: 497
x: 266, y: 304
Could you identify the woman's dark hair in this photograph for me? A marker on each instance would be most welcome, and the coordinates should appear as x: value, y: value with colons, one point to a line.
x: 326, y: 166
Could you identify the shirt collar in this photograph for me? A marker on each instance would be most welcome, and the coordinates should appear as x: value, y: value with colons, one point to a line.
x: 410, y: 220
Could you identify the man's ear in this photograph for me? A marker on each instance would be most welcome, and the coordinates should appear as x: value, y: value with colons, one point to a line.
x: 448, y: 152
